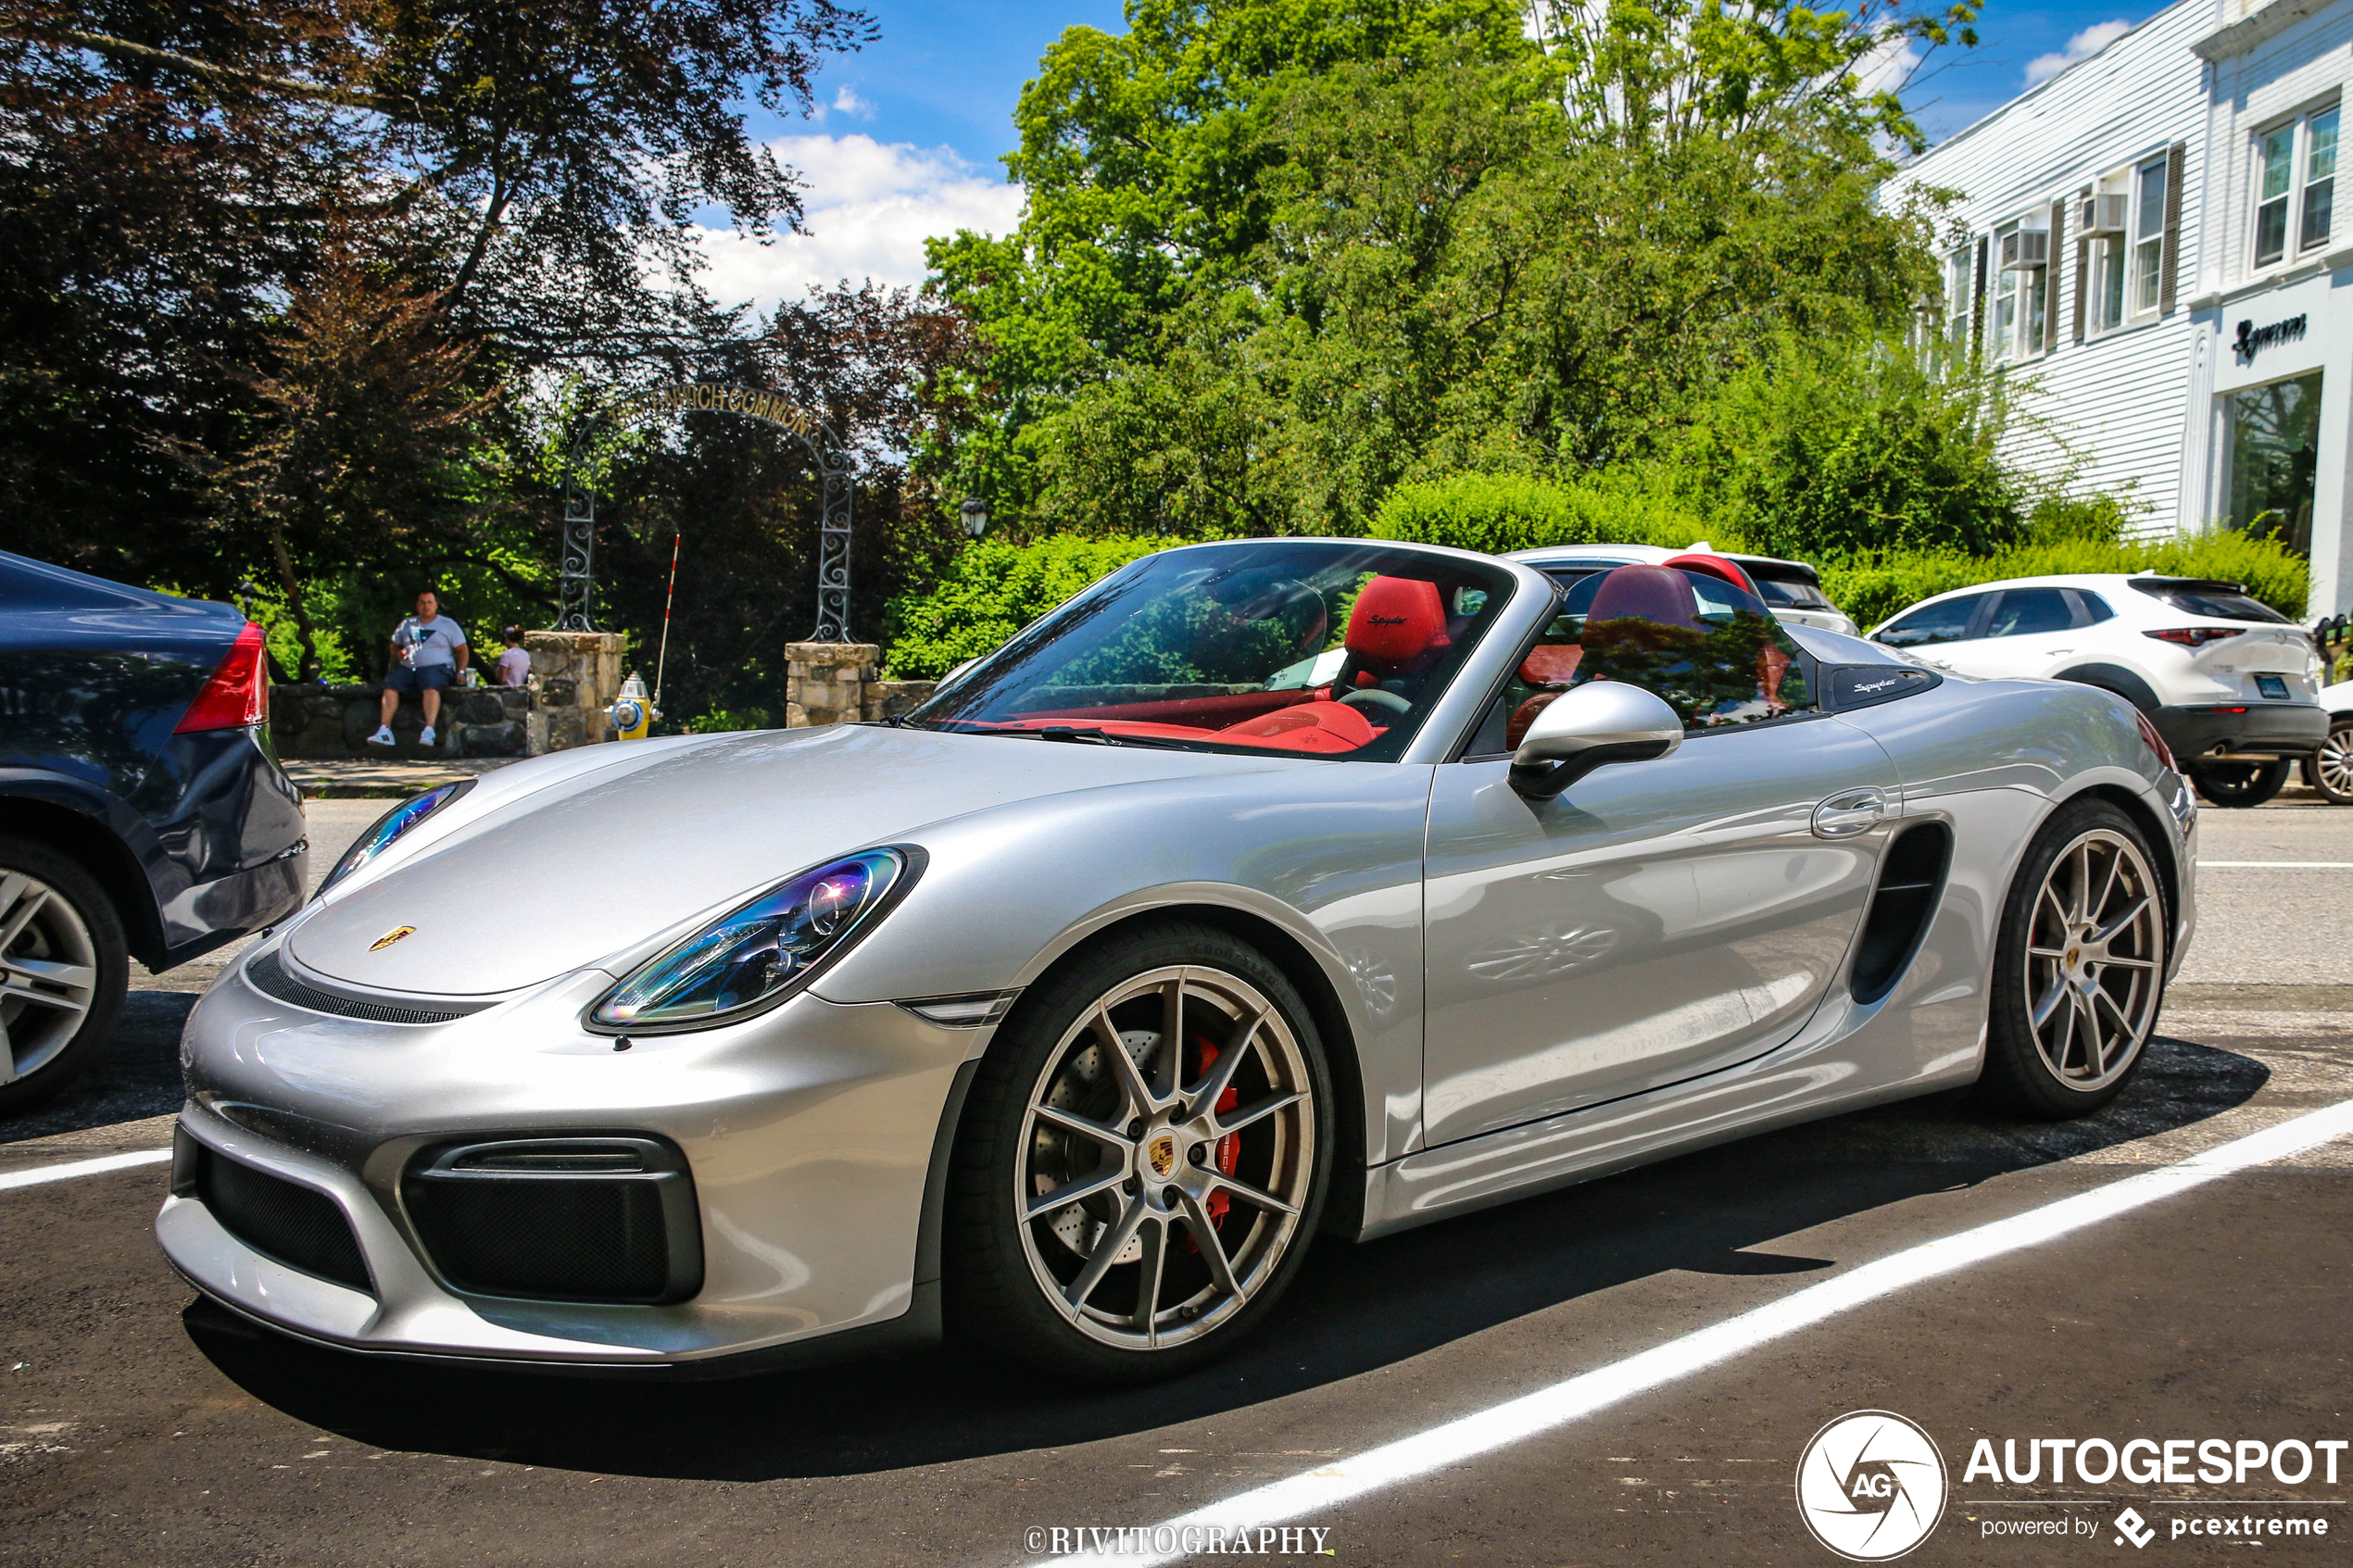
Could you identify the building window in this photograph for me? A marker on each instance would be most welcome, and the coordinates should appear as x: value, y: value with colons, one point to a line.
x: 2295, y: 185
x: 2275, y: 441
x: 2125, y: 228
x: 2016, y: 326
x: 1956, y: 301
x: 2148, y: 234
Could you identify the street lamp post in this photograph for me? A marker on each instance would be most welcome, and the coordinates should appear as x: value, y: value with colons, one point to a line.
x: 975, y: 512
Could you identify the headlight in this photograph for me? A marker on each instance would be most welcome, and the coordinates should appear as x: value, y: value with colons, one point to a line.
x: 755, y: 956
x: 391, y: 825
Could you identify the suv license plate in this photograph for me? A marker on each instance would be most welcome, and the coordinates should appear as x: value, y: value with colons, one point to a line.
x: 2272, y: 687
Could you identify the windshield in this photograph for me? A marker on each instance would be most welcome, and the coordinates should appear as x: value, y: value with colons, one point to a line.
x: 1319, y: 647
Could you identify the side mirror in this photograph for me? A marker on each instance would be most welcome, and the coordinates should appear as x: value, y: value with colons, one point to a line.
x: 1589, y: 727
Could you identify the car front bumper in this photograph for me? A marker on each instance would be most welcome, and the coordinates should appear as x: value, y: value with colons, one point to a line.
x: 2270, y: 730
x: 810, y: 1133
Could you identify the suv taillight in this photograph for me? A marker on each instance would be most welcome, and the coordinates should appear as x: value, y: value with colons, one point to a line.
x: 238, y: 694
x: 2194, y: 636
x: 2156, y: 742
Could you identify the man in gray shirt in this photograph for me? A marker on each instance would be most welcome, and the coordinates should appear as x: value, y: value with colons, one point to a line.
x: 428, y: 649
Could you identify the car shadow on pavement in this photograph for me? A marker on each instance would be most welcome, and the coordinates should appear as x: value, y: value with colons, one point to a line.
x: 134, y: 1075
x: 1354, y: 1309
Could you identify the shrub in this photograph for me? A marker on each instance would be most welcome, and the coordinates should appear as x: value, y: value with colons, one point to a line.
x: 992, y: 591
x: 722, y: 720
x: 1870, y: 588
x: 1498, y: 512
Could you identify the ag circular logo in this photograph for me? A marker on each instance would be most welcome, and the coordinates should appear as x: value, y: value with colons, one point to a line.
x: 1871, y: 1485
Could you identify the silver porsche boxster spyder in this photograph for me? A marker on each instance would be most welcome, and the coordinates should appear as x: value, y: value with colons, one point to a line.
x: 1264, y: 889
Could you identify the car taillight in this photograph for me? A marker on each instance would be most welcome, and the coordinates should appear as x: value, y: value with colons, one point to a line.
x: 2195, y: 636
x: 237, y: 697
x: 2156, y: 742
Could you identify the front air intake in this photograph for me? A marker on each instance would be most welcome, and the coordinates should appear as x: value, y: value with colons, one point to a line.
x: 580, y: 1219
x: 1910, y: 881
x: 299, y: 1226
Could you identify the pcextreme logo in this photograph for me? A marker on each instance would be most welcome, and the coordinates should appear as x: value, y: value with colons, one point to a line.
x: 1871, y: 1485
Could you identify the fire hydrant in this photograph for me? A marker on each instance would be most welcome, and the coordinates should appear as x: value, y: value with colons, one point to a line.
x: 633, y: 712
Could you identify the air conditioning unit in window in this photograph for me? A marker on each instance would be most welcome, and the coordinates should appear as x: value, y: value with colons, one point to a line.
x: 2101, y: 215
x: 2024, y: 249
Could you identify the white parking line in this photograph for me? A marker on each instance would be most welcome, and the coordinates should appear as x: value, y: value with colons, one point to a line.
x: 73, y: 1168
x: 2277, y: 865
x: 1483, y: 1432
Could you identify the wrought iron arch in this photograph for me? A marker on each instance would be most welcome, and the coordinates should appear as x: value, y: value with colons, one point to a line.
x: 576, y: 571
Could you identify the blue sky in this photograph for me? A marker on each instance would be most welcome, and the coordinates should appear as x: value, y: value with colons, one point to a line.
x: 906, y: 137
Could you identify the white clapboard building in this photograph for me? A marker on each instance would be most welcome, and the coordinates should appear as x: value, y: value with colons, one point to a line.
x: 2150, y: 238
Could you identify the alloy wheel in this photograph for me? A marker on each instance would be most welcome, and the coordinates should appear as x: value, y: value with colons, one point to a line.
x: 2332, y: 769
x: 48, y: 974
x: 1165, y: 1157
x: 2093, y: 952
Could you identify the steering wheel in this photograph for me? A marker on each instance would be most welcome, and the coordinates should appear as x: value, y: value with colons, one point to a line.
x: 1373, y: 696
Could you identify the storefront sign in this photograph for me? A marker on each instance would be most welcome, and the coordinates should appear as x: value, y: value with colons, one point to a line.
x: 2253, y: 339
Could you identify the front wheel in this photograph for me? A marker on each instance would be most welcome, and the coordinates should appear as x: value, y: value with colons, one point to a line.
x: 1141, y: 1161
x: 2239, y: 784
x: 2079, y: 972
x: 2330, y: 770
x: 65, y: 968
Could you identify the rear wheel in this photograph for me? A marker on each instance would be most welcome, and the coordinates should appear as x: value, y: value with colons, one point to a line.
x: 1142, y: 1160
x: 2239, y: 784
x: 64, y: 970
x: 2079, y: 971
x: 2330, y: 770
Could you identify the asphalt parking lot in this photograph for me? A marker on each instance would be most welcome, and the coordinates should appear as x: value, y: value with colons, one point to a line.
x: 137, y: 1425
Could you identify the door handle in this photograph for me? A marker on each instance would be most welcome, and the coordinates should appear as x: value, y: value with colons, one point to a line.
x: 1850, y: 811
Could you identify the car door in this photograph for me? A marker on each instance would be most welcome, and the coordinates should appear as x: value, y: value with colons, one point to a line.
x: 1658, y: 920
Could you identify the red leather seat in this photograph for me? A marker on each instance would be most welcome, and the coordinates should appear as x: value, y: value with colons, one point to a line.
x: 1397, y: 628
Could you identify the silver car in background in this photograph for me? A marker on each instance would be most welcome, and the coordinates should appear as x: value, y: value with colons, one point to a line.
x: 1790, y: 589
x: 1265, y: 889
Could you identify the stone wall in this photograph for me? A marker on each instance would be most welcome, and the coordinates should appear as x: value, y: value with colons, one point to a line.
x: 574, y: 676
x: 317, y: 722
x: 842, y: 683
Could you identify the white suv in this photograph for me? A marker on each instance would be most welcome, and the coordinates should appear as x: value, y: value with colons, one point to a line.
x: 1790, y: 589
x: 2229, y: 682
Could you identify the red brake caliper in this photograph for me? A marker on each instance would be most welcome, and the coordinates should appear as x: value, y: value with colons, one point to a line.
x: 1229, y: 1147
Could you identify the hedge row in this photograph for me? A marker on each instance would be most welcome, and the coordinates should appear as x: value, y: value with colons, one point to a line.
x: 994, y: 589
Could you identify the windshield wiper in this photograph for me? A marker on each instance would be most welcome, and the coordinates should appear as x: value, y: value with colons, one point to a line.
x: 1078, y: 734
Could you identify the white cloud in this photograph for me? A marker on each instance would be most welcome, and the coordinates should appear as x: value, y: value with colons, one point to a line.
x: 848, y: 101
x: 2083, y: 47
x: 1889, y: 65
x: 869, y: 207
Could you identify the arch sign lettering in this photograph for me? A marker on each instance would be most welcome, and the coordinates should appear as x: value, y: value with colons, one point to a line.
x: 576, y: 576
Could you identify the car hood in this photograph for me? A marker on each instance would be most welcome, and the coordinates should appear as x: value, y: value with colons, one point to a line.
x: 568, y: 877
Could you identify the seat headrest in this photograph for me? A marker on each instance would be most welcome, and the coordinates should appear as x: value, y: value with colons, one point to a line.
x: 1717, y: 566
x: 1647, y: 593
x: 1397, y: 625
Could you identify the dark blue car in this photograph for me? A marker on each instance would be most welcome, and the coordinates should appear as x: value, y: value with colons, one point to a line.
x: 142, y: 814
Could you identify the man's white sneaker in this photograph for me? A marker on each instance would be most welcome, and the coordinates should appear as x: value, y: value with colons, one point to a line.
x: 382, y: 736
x: 424, y: 736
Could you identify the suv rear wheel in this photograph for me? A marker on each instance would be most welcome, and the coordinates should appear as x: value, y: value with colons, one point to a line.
x: 64, y: 970
x: 2239, y: 784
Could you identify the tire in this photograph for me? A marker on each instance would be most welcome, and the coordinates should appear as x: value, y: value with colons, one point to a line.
x: 2239, y: 784
x: 2078, y: 971
x: 1052, y: 1109
x: 2330, y: 770
x: 67, y: 968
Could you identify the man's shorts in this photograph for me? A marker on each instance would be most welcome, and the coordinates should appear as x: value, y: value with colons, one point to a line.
x: 414, y: 677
